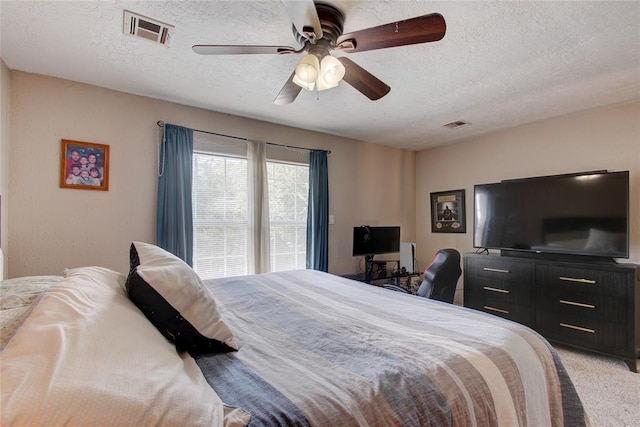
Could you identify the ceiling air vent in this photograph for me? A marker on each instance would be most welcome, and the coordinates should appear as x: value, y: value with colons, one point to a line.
x: 146, y: 28
x: 456, y: 124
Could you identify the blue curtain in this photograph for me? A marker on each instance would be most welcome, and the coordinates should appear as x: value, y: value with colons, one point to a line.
x: 174, y: 210
x: 318, y: 212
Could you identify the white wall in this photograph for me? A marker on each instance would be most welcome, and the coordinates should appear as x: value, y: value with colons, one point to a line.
x: 607, y: 138
x: 51, y: 228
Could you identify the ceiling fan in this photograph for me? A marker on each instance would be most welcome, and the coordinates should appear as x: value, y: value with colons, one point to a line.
x: 317, y: 27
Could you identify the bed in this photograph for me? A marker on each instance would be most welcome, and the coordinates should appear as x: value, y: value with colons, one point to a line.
x: 290, y: 348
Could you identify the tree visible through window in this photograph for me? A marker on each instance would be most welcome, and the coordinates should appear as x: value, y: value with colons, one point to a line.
x: 220, y: 215
x: 288, y: 193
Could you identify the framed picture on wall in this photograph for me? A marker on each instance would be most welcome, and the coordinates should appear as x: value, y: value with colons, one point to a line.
x: 84, y: 165
x: 447, y: 212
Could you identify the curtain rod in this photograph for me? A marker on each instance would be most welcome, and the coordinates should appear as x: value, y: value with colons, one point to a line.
x: 160, y: 123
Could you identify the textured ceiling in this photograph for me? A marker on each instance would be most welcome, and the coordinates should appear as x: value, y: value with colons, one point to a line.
x: 500, y: 64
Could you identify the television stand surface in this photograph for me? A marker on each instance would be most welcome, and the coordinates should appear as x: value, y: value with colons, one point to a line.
x: 557, y: 257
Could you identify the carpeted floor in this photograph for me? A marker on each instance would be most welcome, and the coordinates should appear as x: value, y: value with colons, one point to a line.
x: 609, y: 391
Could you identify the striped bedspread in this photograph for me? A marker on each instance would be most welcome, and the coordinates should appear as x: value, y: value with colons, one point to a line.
x: 317, y: 349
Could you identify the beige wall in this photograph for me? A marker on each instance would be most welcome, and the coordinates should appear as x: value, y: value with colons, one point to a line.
x: 46, y: 228
x: 51, y: 228
x: 4, y: 166
x: 602, y: 139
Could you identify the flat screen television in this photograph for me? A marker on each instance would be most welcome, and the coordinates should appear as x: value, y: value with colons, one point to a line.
x: 369, y: 240
x: 581, y: 214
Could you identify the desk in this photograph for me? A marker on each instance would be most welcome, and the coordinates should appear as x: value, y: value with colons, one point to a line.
x: 409, y: 281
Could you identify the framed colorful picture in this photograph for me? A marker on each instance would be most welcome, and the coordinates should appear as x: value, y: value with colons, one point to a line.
x: 84, y: 165
x: 447, y: 212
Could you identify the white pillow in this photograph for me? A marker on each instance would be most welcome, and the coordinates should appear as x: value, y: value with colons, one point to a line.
x: 176, y: 301
x: 86, y: 356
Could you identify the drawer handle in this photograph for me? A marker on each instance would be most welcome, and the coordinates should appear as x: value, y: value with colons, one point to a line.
x: 573, y: 279
x: 577, y: 304
x: 496, y: 270
x: 486, y: 307
x: 502, y: 291
x: 578, y: 328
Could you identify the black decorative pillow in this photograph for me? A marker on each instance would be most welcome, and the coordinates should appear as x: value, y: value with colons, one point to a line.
x: 176, y: 301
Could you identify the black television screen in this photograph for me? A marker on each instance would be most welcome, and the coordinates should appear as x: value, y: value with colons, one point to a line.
x: 579, y: 214
x: 369, y: 240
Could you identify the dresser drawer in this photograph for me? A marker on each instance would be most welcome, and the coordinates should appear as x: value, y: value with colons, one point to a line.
x: 499, y: 269
x: 574, y: 280
x: 584, y: 332
x: 523, y: 315
x: 584, y: 306
x: 512, y: 292
x: 499, y: 304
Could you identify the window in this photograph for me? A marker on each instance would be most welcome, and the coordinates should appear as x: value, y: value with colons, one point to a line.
x: 220, y: 215
x: 288, y: 193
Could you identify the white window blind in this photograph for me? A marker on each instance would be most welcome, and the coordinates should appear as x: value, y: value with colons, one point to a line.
x: 288, y: 193
x: 220, y: 215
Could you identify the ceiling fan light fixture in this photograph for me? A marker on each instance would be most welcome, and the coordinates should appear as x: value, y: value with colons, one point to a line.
x: 308, y: 68
x: 303, y: 85
x: 323, y: 85
x: 331, y: 72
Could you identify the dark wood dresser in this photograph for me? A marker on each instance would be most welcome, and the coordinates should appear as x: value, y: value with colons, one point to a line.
x: 591, y: 306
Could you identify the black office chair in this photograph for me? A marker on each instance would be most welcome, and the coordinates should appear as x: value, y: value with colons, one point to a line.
x: 440, y: 278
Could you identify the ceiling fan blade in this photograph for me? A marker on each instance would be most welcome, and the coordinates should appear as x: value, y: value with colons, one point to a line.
x: 422, y: 29
x: 212, y: 49
x: 304, y: 17
x: 288, y: 93
x: 362, y: 80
